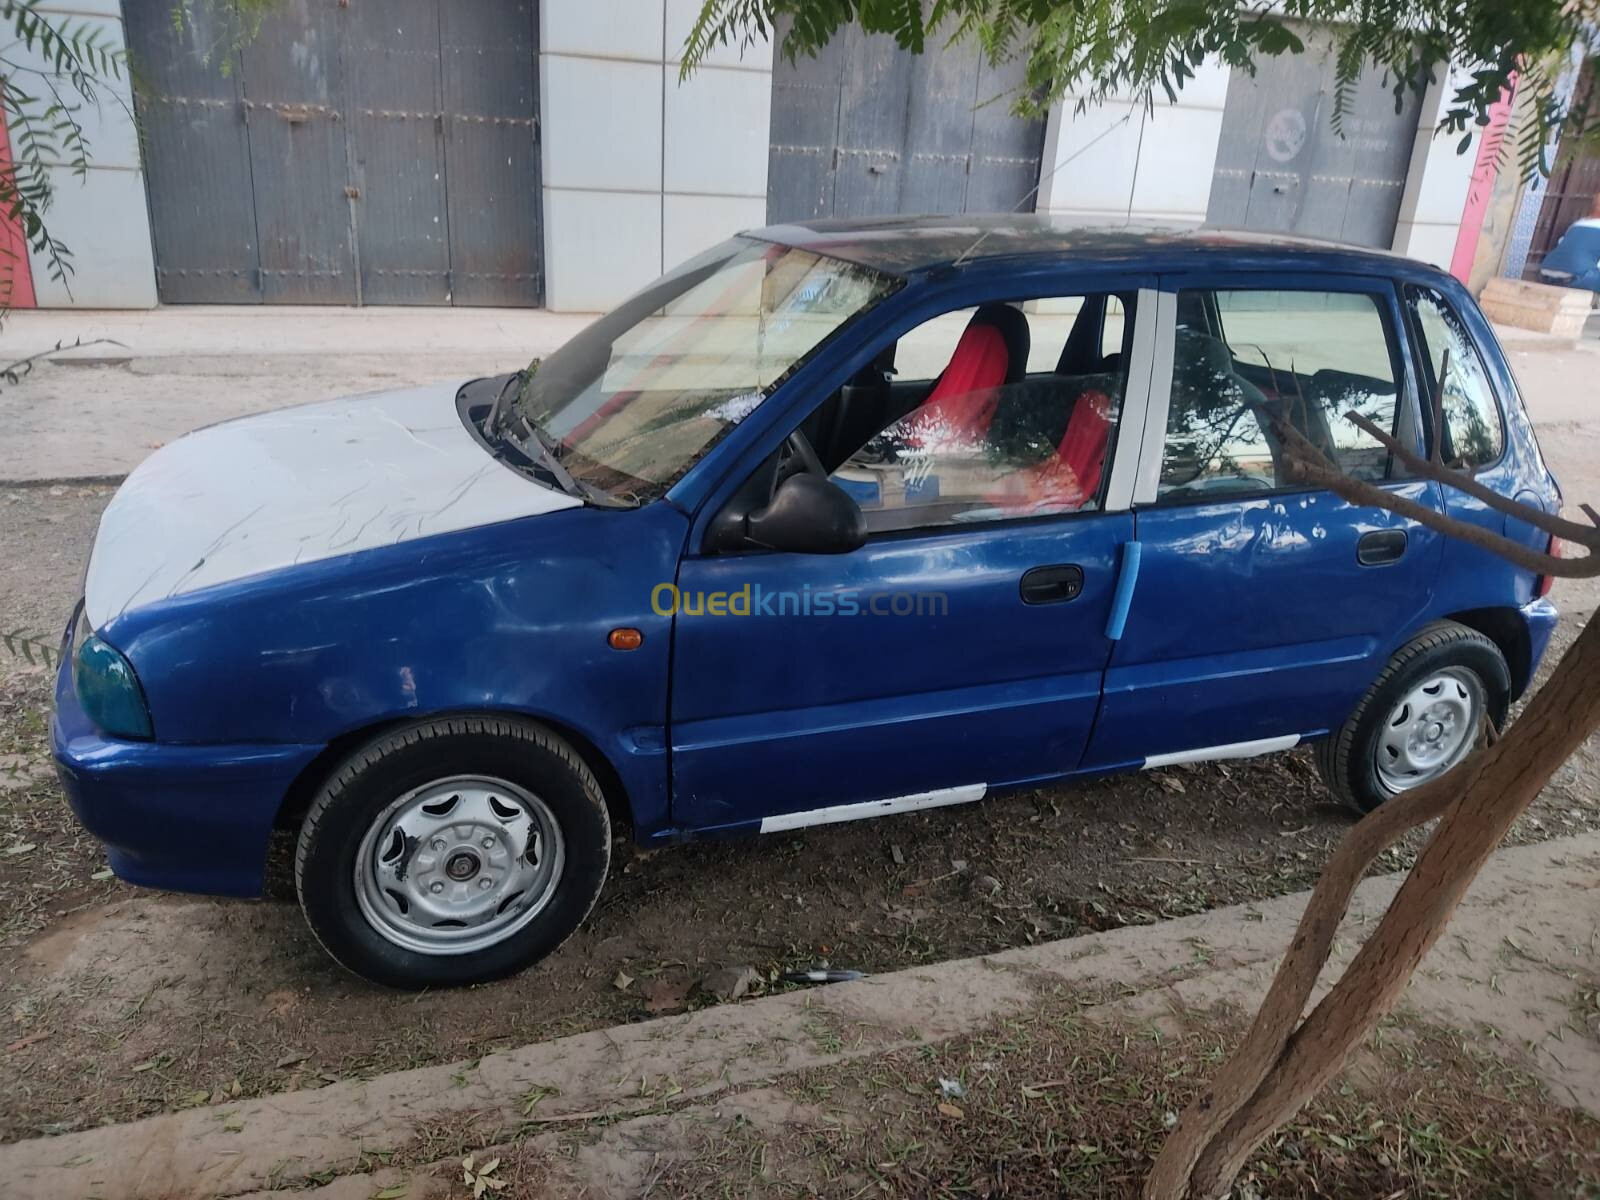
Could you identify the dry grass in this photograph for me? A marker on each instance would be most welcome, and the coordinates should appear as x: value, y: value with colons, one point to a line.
x: 47, y: 862
x: 1059, y: 1105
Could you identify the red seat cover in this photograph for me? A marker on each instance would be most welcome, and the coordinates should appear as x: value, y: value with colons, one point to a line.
x: 961, y: 406
x: 1083, y: 448
x: 1071, y: 478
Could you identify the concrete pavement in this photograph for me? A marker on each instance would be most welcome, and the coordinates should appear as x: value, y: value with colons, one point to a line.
x: 181, y: 331
x: 1524, y: 943
x: 95, y: 411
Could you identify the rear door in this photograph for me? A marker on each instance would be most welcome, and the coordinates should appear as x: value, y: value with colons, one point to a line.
x: 1262, y: 609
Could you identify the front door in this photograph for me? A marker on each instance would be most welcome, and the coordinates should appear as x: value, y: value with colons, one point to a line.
x: 963, y: 646
x: 1262, y: 610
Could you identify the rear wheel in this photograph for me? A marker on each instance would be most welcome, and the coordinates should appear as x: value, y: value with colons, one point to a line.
x: 453, y: 852
x: 1420, y: 718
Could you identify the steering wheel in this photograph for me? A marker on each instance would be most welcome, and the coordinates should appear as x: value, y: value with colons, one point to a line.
x: 1222, y: 483
x: 1230, y: 482
x: 795, y: 457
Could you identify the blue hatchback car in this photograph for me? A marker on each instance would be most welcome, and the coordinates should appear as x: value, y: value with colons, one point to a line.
x: 833, y: 521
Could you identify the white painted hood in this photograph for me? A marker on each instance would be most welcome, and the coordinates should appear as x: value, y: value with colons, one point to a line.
x: 295, y: 486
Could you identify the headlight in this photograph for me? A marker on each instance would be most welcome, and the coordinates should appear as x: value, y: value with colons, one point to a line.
x: 109, y: 691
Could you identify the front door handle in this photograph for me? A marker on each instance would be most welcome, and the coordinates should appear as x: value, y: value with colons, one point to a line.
x: 1051, y: 585
x: 1381, y: 546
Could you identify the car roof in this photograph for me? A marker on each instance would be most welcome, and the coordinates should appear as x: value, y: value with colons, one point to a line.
x: 910, y: 245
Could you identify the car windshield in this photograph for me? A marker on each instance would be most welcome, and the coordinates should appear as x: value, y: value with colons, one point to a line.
x: 636, y: 399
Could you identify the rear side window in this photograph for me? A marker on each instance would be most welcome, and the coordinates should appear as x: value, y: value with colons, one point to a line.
x: 1243, y: 357
x: 1473, y: 430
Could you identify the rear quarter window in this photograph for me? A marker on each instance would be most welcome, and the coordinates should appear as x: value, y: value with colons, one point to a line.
x: 1474, y: 430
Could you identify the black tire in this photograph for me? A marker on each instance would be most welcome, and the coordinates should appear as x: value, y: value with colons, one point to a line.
x: 1348, y: 759
x: 520, y: 752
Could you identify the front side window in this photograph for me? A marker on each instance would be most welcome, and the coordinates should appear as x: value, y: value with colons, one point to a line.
x: 1473, y: 431
x: 1245, y: 359
x: 987, y: 414
x: 636, y: 399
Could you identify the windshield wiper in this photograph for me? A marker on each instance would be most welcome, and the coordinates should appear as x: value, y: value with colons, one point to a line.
x: 491, y: 423
x: 537, y: 449
x: 532, y: 446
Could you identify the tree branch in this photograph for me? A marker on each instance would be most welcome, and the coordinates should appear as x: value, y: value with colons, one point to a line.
x: 1300, y: 465
x: 1283, y: 1060
x: 1493, y: 788
x: 1293, y: 982
x: 1587, y: 536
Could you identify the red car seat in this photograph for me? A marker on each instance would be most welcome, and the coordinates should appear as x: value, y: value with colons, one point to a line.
x: 992, y: 352
x: 1070, y: 478
x: 1083, y: 449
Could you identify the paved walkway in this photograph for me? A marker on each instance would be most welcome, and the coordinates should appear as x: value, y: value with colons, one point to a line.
x: 1521, y: 946
x: 95, y: 411
x: 198, y: 330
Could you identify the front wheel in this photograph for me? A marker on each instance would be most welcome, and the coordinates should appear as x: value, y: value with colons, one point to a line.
x: 452, y: 852
x: 1420, y: 718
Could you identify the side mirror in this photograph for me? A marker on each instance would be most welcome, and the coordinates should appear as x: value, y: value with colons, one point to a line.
x: 808, y: 515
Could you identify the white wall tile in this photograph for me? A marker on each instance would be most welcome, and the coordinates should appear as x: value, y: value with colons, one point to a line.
x: 692, y: 223
x: 1209, y: 87
x: 1176, y: 160
x: 1437, y: 181
x: 1431, y: 242
x: 1446, y: 178
x: 681, y: 16
x: 104, y: 221
x: 599, y: 247
x: 107, y: 8
x: 108, y: 127
x: 1100, y: 149
x: 608, y: 28
x: 717, y: 132
x: 601, y: 121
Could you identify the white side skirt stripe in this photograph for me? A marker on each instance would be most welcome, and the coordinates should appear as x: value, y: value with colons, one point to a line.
x: 874, y: 808
x: 1230, y: 750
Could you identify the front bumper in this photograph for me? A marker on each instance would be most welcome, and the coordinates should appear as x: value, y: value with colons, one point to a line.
x: 188, y: 818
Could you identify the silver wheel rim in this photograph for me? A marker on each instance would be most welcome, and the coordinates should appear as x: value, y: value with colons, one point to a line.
x: 458, y: 865
x: 1430, y: 730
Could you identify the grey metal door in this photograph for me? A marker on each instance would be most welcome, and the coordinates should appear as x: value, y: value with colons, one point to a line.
x: 1282, y: 168
x: 354, y: 151
x: 866, y: 129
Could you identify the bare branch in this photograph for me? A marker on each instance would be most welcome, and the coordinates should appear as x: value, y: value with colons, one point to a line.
x: 1493, y: 788
x: 1301, y: 466
x: 1294, y: 980
x: 1560, y: 527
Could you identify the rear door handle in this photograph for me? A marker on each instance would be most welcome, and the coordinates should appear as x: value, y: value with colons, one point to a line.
x: 1051, y: 585
x: 1381, y: 546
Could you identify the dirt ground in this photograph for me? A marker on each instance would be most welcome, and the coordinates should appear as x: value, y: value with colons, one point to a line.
x: 121, y: 1003
x: 1059, y: 1104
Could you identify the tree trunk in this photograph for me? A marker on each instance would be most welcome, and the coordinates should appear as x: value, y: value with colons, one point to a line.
x: 1275, y: 1072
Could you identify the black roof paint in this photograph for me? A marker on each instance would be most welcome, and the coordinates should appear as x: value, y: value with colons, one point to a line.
x: 916, y: 244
